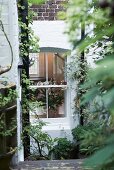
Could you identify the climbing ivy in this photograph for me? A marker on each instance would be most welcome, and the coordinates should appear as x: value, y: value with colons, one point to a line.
x: 29, y: 46
x: 28, y: 43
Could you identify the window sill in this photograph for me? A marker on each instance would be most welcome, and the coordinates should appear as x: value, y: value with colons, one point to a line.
x: 48, y: 86
x: 54, y: 123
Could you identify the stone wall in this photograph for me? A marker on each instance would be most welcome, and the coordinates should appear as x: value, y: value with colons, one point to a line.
x: 48, y: 11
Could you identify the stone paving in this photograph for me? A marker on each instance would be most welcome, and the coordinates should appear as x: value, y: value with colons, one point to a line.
x: 50, y: 165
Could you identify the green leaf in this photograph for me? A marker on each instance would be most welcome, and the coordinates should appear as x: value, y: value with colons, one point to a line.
x: 100, y: 157
x: 37, y: 2
x: 89, y: 95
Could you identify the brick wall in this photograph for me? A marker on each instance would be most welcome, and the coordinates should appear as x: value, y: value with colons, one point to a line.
x: 49, y: 10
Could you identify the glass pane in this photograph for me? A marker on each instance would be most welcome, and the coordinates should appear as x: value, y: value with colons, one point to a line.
x: 41, y: 108
x: 59, y: 67
x: 37, y: 69
x: 48, y: 68
x: 42, y: 67
x: 34, y: 67
x: 56, y: 102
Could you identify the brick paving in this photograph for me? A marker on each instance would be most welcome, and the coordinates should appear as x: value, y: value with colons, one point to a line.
x: 50, y: 165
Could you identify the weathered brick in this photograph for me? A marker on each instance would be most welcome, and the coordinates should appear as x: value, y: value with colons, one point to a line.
x: 51, y: 18
x: 57, y: 10
x: 41, y: 10
x: 40, y: 14
x: 51, y: 14
x: 35, y: 18
x: 46, y: 18
x: 34, y: 6
x: 45, y: 14
x: 40, y: 18
x: 54, y: 5
x: 49, y: 9
x: 34, y: 9
x: 58, y: 2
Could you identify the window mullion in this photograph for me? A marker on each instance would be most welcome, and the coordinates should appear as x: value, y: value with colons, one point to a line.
x: 47, y: 101
x: 46, y: 57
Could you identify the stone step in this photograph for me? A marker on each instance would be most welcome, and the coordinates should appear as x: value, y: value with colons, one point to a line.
x: 50, y: 165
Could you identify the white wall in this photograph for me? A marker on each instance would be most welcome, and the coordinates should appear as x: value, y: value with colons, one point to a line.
x: 51, y: 34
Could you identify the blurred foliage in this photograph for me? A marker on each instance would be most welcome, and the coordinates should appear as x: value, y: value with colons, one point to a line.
x: 96, y: 17
x: 36, y: 2
x: 85, y: 136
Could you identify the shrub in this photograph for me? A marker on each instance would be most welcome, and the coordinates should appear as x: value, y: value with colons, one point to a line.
x: 64, y: 149
x: 85, y: 136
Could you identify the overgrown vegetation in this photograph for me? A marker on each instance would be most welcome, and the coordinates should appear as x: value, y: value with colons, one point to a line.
x: 96, y: 17
x: 42, y: 143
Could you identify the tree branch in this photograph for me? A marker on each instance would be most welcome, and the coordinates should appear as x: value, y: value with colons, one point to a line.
x: 7, y: 68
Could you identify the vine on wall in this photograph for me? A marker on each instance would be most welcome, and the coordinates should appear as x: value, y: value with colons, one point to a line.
x: 28, y: 42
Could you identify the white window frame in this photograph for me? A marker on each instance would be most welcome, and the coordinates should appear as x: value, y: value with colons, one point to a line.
x: 66, y: 110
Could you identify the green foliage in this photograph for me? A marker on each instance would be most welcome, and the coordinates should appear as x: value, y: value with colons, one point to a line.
x: 64, y: 149
x: 86, y: 137
x: 99, y: 80
x: 6, y: 99
x: 4, y: 130
x: 42, y: 140
x: 79, y: 131
x: 38, y: 2
x: 102, y: 159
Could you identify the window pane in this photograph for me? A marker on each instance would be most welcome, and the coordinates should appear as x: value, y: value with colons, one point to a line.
x: 41, y: 109
x: 34, y: 68
x: 59, y: 67
x: 48, y: 68
x: 56, y: 103
x: 42, y: 67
